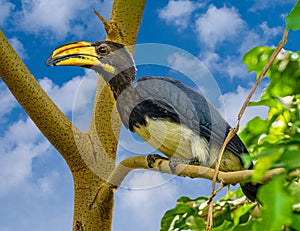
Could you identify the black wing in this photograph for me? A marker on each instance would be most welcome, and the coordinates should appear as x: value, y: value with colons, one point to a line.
x: 190, y: 108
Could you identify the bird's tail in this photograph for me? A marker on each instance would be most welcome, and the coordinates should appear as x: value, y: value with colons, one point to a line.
x: 250, y: 190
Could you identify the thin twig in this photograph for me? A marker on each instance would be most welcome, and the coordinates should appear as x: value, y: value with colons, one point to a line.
x: 233, y: 131
x: 222, y: 185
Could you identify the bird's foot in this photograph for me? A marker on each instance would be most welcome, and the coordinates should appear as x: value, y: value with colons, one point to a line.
x: 175, y: 161
x: 151, y: 159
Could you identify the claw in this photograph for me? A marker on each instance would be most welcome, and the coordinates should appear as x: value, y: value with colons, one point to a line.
x: 151, y: 159
x: 173, y: 162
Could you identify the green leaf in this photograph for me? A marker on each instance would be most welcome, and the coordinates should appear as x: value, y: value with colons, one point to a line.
x: 294, y: 191
x: 269, y: 102
x: 238, y: 193
x: 225, y: 226
x: 258, y: 126
x: 240, y: 212
x: 195, y: 223
x: 253, y: 131
x: 175, y: 218
x: 249, y: 226
x: 184, y: 199
x: 268, y: 157
x: 290, y: 159
x: 277, y: 205
x: 222, y: 215
x: 293, y: 18
x: 247, y: 160
x: 198, y: 200
x: 257, y: 58
x: 296, y: 221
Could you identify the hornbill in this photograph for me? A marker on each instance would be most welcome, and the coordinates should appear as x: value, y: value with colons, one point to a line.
x: 167, y: 114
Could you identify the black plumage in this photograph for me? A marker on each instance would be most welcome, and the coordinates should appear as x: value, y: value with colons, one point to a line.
x: 200, y: 116
x: 169, y: 115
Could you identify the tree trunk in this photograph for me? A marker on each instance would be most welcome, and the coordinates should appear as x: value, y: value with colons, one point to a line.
x: 90, y: 156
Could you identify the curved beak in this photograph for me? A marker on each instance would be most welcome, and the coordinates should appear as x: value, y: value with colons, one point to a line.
x: 81, y: 54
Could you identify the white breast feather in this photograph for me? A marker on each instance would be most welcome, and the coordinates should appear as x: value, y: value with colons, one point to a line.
x: 173, y: 140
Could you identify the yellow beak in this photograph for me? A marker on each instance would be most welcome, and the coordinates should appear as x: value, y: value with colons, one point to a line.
x: 74, y: 54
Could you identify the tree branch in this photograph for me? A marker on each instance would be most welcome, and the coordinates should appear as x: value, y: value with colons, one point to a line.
x: 51, y: 121
x: 124, y: 22
x: 184, y: 170
x: 105, y: 123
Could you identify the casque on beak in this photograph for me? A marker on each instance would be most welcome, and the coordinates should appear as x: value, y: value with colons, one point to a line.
x: 81, y: 54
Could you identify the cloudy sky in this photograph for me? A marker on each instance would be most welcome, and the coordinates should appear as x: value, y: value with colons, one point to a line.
x: 198, y: 42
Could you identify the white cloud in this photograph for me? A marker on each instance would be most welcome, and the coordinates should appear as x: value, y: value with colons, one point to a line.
x: 258, y: 37
x: 58, y: 19
x: 19, y: 145
x: 39, y: 15
x: 270, y: 32
x: 149, y: 195
x: 83, y: 102
x: 197, y: 72
x: 21, y: 141
x: 146, y: 191
x: 233, y: 102
x: 7, y: 101
x: 5, y: 10
x: 188, y: 65
x: 218, y: 25
x: 31, y: 172
x: 73, y: 96
x: 252, y: 39
x: 47, y: 183
x: 266, y: 4
x: 231, y: 64
x: 63, y: 96
x: 178, y: 12
x: 18, y: 46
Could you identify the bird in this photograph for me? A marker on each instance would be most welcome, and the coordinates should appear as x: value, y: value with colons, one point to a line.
x: 169, y: 115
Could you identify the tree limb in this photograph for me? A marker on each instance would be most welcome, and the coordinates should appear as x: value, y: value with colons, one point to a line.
x: 51, y: 121
x: 183, y: 170
x: 125, y: 19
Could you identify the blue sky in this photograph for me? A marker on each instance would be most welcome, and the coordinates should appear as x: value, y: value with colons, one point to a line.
x: 35, y: 184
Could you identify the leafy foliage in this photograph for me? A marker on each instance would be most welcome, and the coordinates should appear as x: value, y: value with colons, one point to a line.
x: 184, y: 215
x: 231, y: 213
x: 273, y: 142
x: 277, y: 210
x: 293, y: 19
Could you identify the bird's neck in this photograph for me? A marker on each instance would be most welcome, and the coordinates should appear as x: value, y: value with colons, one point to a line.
x: 124, y: 93
x: 121, y: 81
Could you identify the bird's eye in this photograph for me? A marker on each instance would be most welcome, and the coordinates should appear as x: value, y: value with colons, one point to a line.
x: 103, y: 50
